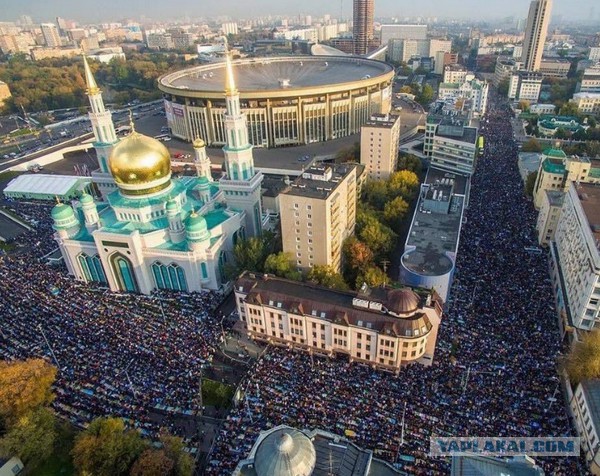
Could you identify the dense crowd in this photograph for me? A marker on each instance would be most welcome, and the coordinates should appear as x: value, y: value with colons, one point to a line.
x: 495, y: 367
x: 138, y: 357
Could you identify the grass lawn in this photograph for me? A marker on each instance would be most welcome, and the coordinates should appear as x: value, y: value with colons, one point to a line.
x: 6, y: 176
x: 216, y: 394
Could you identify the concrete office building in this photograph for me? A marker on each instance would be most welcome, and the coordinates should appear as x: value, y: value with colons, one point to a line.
x: 284, y: 450
x: 585, y: 408
x: 379, y: 142
x: 51, y: 36
x: 444, y: 59
x: 470, y: 88
x: 229, y: 28
x: 403, y: 32
x: 381, y: 327
x: 587, y: 103
x: 590, y: 81
x: 318, y: 212
x: 594, y: 54
x: 432, y: 243
x: 362, y: 30
x: 535, y: 33
x: 575, y: 256
x: 550, y: 207
x: 287, y: 100
x: 505, y: 67
x: 455, y: 73
x: 525, y: 85
x: 403, y: 50
x: 555, y: 67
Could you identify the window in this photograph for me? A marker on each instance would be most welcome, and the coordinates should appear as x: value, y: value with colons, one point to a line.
x: 169, y: 277
x: 92, y: 269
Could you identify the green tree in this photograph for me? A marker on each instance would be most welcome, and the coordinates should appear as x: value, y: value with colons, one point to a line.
x: 174, y: 449
x: 503, y: 87
x: 357, y: 255
x: 375, y: 193
x: 395, y: 212
x: 569, y: 109
x: 592, y: 122
x: 530, y: 183
x: 404, y: 183
x: 532, y: 145
x: 426, y: 95
x: 327, y: 276
x: 583, y: 362
x: 24, y: 387
x: 562, y: 133
x: 31, y: 437
x: 378, y: 237
x: 349, y: 154
x: 410, y: 162
x: 106, y: 448
x: 251, y: 254
x: 524, y: 105
x: 593, y: 148
x: 280, y: 264
x: 373, y: 277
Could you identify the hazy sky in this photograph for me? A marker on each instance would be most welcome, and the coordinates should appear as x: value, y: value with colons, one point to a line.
x: 102, y: 10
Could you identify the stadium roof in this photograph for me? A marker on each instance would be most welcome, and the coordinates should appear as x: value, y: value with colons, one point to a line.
x: 44, y: 184
x: 283, y: 73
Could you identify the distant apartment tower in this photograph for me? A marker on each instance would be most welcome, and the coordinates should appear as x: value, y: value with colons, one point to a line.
x: 403, y: 32
x: 363, y: 25
x: 230, y: 28
x: 51, y: 36
x: 535, y: 33
x: 318, y: 212
x: 379, y: 138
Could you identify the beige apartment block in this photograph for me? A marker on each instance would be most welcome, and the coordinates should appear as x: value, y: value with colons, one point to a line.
x: 379, y: 143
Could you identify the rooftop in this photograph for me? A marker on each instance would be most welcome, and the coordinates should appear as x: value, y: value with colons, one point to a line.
x: 591, y: 389
x: 277, y: 73
x: 464, y: 134
x: 555, y: 198
x: 320, y: 181
x: 589, y: 196
x: 44, y: 184
x: 434, y: 236
x: 344, y: 308
x: 382, y: 120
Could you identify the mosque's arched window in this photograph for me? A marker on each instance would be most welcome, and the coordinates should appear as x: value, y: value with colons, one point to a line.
x: 169, y: 277
x: 92, y: 269
x: 123, y: 272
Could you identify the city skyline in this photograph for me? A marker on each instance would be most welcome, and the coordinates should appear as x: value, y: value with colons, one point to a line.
x: 113, y: 10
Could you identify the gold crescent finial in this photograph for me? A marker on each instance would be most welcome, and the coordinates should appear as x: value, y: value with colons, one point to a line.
x: 131, y: 124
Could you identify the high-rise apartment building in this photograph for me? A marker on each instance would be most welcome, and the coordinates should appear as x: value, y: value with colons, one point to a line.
x: 403, y: 32
x: 535, y: 33
x: 51, y: 36
x: 363, y: 25
x: 379, y: 145
x: 318, y: 212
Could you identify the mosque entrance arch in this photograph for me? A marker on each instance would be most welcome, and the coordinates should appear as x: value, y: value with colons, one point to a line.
x: 123, y: 272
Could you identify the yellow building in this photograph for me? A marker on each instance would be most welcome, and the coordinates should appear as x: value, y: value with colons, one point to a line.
x: 318, y: 212
x: 379, y: 145
x: 552, y: 201
x: 385, y: 328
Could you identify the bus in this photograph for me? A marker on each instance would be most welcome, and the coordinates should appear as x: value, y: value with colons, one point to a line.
x: 480, y: 145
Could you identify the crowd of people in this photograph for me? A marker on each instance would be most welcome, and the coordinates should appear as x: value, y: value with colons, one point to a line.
x: 495, y: 369
x: 134, y: 356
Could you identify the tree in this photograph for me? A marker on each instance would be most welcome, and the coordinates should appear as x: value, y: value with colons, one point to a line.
x: 31, y: 437
x: 24, y: 387
x: 377, y: 236
x: 327, y: 276
x: 251, y: 254
x: 591, y: 121
x: 404, y: 183
x: 174, y: 449
x: 373, y: 277
x: 532, y: 145
x: 593, y: 148
x: 583, y: 362
x: 406, y: 89
x: 562, y: 133
x: 410, y: 162
x: 280, y: 264
x: 349, y: 154
x: 569, y: 109
x: 503, y: 87
x: 530, y: 183
x: 426, y: 95
x: 524, y: 105
x: 395, y: 212
x: 153, y: 462
x: 375, y: 193
x: 357, y: 255
x: 106, y: 448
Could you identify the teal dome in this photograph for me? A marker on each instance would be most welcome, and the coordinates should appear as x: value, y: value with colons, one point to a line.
x: 172, y: 205
x: 62, y: 211
x: 86, y: 199
x: 196, y: 223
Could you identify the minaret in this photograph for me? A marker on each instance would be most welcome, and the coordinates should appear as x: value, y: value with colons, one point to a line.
x: 242, y: 185
x: 201, y: 160
x: 102, y: 125
x: 176, y: 229
x: 90, y: 212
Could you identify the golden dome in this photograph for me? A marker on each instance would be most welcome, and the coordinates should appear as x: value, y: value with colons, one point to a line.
x: 198, y: 143
x: 140, y: 165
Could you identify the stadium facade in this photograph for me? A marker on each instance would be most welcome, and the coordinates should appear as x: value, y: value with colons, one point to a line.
x: 288, y: 100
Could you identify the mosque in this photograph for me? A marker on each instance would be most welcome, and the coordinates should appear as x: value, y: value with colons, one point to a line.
x: 151, y: 231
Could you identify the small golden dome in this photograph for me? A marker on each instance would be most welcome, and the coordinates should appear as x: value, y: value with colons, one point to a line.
x: 198, y: 143
x: 140, y: 165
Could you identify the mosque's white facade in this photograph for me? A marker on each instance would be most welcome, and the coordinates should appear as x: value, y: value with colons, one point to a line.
x: 151, y: 231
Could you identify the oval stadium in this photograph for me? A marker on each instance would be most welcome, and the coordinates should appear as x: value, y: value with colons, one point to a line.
x: 288, y: 100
